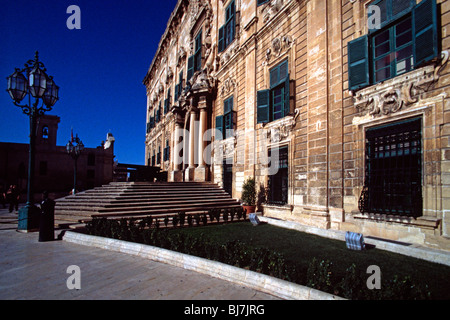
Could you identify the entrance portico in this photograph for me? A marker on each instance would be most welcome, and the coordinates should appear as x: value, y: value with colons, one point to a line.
x: 189, y: 160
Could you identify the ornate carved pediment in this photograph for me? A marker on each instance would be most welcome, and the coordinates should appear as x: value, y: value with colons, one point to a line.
x: 280, y: 130
x: 402, y: 91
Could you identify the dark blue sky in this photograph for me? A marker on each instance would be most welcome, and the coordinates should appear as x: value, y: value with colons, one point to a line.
x: 99, y: 68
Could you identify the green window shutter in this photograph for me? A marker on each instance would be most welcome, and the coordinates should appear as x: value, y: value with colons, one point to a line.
x: 166, y: 105
x: 358, y: 63
x: 228, y: 105
x: 274, y: 76
x: 425, y: 32
x: 198, y: 52
x: 190, y: 69
x: 228, y: 123
x: 287, y: 106
x: 219, y: 126
x: 221, y: 39
x: 284, y: 72
x: 279, y: 74
x: 260, y: 2
x: 262, y: 106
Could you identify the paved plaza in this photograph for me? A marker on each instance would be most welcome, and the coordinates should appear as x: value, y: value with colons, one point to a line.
x: 30, y: 269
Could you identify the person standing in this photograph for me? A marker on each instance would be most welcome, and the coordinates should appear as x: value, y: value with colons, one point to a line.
x: 13, y: 196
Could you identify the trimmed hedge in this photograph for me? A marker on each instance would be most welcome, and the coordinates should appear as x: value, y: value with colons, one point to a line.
x: 237, y: 253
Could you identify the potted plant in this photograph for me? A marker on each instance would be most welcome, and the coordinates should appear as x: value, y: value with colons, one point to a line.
x: 249, y: 195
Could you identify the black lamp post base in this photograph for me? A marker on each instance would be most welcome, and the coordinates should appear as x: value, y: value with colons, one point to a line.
x: 29, y: 218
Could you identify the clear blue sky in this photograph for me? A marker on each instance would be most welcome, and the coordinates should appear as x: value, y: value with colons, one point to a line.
x: 99, y: 68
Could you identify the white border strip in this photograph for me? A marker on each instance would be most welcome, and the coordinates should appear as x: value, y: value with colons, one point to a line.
x: 412, y: 250
x: 254, y: 280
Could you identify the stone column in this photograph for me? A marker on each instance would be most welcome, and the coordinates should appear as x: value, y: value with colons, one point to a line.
x: 201, y: 143
x: 176, y: 172
x: 192, y: 139
x: 201, y: 172
x: 176, y: 148
x: 190, y: 170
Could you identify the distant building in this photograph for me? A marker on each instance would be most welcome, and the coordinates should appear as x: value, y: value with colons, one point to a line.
x: 356, y: 109
x: 54, y: 167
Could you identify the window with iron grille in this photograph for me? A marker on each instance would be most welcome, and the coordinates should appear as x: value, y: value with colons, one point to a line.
x: 278, y: 182
x: 393, y: 169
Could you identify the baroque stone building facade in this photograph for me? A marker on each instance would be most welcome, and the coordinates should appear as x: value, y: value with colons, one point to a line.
x: 338, y: 108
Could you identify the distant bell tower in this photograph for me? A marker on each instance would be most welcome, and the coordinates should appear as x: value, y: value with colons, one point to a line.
x: 109, y: 144
x: 47, y: 129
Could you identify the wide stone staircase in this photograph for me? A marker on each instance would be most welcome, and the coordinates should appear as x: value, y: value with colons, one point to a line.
x: 139, y: 199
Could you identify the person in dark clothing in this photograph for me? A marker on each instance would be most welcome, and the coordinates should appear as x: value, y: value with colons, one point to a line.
x: 47, y: 219
x: 13, y: 196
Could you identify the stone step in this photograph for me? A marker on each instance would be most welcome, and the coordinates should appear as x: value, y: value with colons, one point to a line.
x: 139, y: 206
x: 142, y: 199
x: 84, y: 216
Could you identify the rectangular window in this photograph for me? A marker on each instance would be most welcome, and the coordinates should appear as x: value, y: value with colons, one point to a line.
x: 167, y: 102
x: 157, y: 113
x: 198, y: 52
x: 278, y: 183
x: 393, y: 169
x: 228, y: 30
x: 179, y: 86
x: 167, y: 151
x: 228, y: 176
x: 158, y: 156
x: 228, y: 117
x: 226, y: 123
x: 190, y: 68
x: 393, y: 51
x: 274, y: 103
x: 390, y: 10
x: 407, y: 39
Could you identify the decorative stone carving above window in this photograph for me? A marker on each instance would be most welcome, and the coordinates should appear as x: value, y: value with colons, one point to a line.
x: 279, y: 130
x: 228, y: 86
x: 280, y: 45
x: 181, y: 57
x: 224, y: 149
x: 400, y: 92
x: 169, y: 75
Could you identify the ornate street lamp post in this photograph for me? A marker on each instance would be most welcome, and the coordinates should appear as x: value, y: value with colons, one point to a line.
x: 38, y: 86
x: 74, y: 151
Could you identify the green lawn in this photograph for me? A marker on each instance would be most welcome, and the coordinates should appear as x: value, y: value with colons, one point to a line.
x: 301, y: 248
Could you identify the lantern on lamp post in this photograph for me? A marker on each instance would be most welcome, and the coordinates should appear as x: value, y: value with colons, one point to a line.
x: 74, y: 150
x: 37, y: 85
